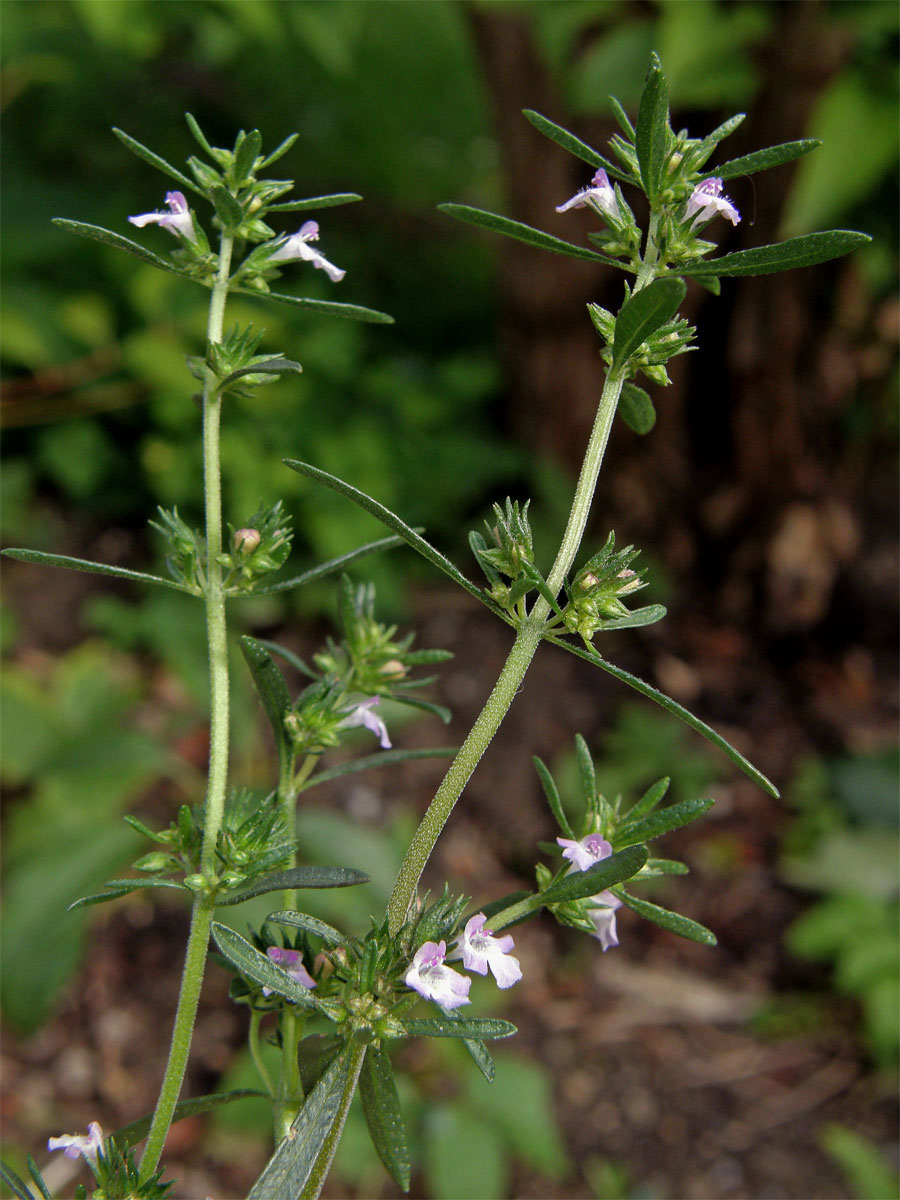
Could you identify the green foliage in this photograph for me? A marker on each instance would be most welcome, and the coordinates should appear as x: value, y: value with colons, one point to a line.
x: 863, y: 1165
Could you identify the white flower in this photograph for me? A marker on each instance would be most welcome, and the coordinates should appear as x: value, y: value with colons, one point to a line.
x: 600, y: 196
x: 297, y: 247
x: 706, y: 200
x: 429, y: 977
x: 292, y: 962
x: 604, y: 919
x: 362, y: 714
x: 73, y: 1144
x: 178, y: 220
x: 585, y: 854
x: 480, y: 950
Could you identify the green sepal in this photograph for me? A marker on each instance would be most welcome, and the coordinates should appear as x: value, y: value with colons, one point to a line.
x: 643, y: 313
x: 649, y: 800
x: 273, y: 692
x: 676, y: 709
x: 259, y: 967
x: 314, y: 202
x: 384, y: 1117
x: 481, y: 1057
x: 666, y: 919
x: 803, y: 251
x: 553, y: 799
x: 658, y: 823
x: 586, y: 775
x: 246, y: 152
x: 296, y: 878
x: 652, y: 134
x: 136, y: 1131
x: 636, y: 408
x: 576, y: 885
x: 328, y: 568
x: 299, y: 920
x: 155, y: 161
x: 330, y: 308
x: 93, y: 568
x: 762, y: 160
x: 388, y: 759
x: 573, y: 144
x: 269, y: 366
x: 515, y: 229
x: 229, y: 212
x: 392, y: 521
x: 96, y: 233
x: 122, y: 887
x: 477, y: 1028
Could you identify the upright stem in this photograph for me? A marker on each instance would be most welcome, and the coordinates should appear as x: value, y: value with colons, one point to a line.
x: 528, y: 638
x: 214, y: 595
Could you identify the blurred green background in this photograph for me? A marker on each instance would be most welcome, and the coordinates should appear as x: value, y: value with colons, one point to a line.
x: 765, y: 497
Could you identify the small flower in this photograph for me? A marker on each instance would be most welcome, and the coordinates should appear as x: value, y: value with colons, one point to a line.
x: 362, y: 714
x: 480, y: 950
x: 292, y: 962
x: 73, y: 1144
x: 429, y: 977
x: 585, y: 854
x: 600, y: 196
x: 706, y: 200
x: 297, y: 246
x: 178, y: 220
x: 605, y: 919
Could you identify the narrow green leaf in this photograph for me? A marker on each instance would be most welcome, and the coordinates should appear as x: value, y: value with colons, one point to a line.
x: 227, y: 208
x: 622, y: 117
x: 199, y: 134
x: 672, y: 706
x: 16, y: 1185
x: 370, y: 761
x: 481, y: 1056
x: 762, y: 160
x: 652, y: 130
x: 246, y: 154
x: 573, y: 144
x: 392, y: 521
x: 330, y: 308
x: 259, y: 967
x: 273, y: 692
x: 636, y: 408
x: 664, y: 821
x: 384, y: 1117
x: 618, y: 867
x: 39, y: 1181
x: 643, y: 313
x: 553, y: 799
x: 123, y: 889
x: 515, y: 229
x: 478, y: 1028
x: 328, y: 568
x: 666, y: 919
x: 155, y: 161
x: 804, y: 251
x: 298, y: 877
x: 285, y: 1175
x: 709, y: 143
x: 299, y: 920
x: 96, y: 233
x: 136, y: 1131
x: 649, y: 800
x: 648, y: 615
x: 315, y: 202
x: 93, y: 568
x: 271, y: 366
x: 289, y: 657
x: 586, y: 776
x: 280, y: 150
x: 664, y: 866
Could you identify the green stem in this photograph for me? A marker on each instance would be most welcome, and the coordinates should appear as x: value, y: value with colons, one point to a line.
x: 214, y: 596
x: 290, y: 1089
x: 528, y: 637
x: 256, y: 1051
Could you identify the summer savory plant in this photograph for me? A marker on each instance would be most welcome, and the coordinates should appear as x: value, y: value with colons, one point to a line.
x: 335, y: 1001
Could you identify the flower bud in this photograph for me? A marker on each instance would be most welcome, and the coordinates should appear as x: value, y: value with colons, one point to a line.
x: 196, y: 883
x: 246, y: 541
x: 392, y: 670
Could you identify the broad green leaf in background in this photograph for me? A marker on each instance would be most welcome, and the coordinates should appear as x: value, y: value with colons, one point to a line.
x: 462, y: 1158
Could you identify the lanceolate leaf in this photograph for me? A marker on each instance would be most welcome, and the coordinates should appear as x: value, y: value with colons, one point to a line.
x: 586, y: 776
x: 122, y: 887
x: 393, y: 522
x: 271, y: 366
x: 552, y: 794
x: 515, y: 229
x: 387, y: 759
x: 709, y: 143
x: 328, y: 568
x: 315, y: 202
x: 761, y: 160
x: 649, y: 800
x: 273, y: 693
x: 643, y: 313
x: 299, y: 920
x: 295, y: 878
x: 652, y: 129
x: 481, y: 1056
x: 93, y: 568
x: 136, y: 1131
x: 804, y: 251
x: 384, y: 1117
x: 574, y: 145
x: 257, y: 966
x: 475, y: 1027
x: 155, y: 161
x: 658, y: 823
x: 618, y: 867
x: 666, y: 919
x: 329, y: 308
x: 96, y: 233
x: 648, y: 615
x: 15, y: 1184
x: 676, y: 709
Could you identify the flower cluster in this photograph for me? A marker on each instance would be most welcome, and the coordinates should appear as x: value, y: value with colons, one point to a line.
x: 429, y: 975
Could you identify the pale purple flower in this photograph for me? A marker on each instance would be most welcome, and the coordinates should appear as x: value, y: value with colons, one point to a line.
x: 73, y: 1144
x: 363, y: 714
x: 582, y: 855
x: 429, y: 977
x: 297, y: 246
x: 600, y: 196
x: 292, y: 962
x: 177, y: 220
x: 706, y: 200
x: 480, y: 950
